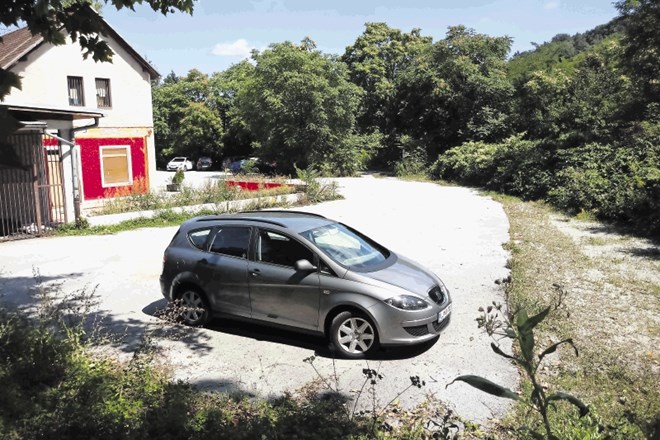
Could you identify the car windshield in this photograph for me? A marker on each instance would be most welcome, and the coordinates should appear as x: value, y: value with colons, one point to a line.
x: 178, y: 159
x: 347, y: 247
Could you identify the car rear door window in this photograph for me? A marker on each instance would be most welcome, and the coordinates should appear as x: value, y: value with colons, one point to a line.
x: 233, y: 241
x: 276, y: 248
x: 198, y: 238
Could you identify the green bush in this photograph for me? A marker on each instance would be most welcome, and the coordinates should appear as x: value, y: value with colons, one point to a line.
x: 522, y: 168
x: 178, y: 177
x: 618, y: 182
x: 515, y: 166
x: 472, y: 163
x: 613, y: 182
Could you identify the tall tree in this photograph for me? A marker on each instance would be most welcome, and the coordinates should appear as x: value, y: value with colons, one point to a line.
x: 376, y: 61
x: 641, y: 55
x: 300, y: 106
x: 226, y: 87
x: 457, y: 91
x: 186, y: 121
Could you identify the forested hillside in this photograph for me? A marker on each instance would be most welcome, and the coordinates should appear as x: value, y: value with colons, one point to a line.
x: 574, y: 121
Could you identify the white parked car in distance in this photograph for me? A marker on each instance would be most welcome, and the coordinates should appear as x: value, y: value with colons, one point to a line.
x: 179, y: 163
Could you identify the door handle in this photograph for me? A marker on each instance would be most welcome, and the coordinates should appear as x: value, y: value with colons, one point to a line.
x: 255, y: 272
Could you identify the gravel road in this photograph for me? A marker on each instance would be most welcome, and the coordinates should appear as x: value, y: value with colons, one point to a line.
x: 454, y: 231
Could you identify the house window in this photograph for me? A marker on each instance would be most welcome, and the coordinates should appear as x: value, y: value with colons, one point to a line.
x: 76, y: 95
x: 116, y: 166
x: 103, y: 93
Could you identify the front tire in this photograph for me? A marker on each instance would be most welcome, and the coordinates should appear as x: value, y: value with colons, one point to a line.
x: 353, y: 335
x: 194, y: 309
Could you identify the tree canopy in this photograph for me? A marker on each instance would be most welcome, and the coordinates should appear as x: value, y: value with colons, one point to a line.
x: 55, y: 19
x: 300, y: 105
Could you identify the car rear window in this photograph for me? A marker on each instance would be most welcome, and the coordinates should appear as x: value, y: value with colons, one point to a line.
x: 198, y: 237
x: 233, y: 241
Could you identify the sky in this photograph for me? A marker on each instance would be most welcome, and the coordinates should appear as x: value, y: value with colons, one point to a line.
x: 221, y: 33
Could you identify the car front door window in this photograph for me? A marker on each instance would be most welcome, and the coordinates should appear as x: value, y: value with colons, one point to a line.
x: 279, y: 249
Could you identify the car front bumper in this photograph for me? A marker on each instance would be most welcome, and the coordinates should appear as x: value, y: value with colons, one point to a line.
x: 400, y: 327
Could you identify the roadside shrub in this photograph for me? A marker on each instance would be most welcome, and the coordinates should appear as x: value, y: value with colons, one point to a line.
x: 522, y: 168
x: 178, y: 177
x: 314, y: 190
x: 613, y: 182
x: 472, y: 163
x: 413, y: 165
x: 515, y: 166
x: 349, y: 157
x: 619, y: 182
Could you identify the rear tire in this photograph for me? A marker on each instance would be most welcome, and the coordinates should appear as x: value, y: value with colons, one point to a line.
x: 353, y: 335
x: 194, y: 309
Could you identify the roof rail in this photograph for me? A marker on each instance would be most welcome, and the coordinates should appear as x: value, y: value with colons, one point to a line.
x: 236, y: 219
x: 311, y: 214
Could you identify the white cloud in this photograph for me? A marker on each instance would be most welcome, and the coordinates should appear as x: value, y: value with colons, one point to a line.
x: 239, y: 47
x: 553, y: 4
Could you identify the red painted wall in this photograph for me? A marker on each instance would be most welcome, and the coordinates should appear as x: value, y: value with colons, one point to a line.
x: 90, y: 158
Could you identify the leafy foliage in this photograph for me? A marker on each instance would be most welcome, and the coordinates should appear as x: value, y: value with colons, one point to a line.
x: 54, y: 20
x: 641, y: 55
x: 299, y: 105
x: 612, y: 181
x: 376, y: 63
x: 185, y: 121
x: 561, y: 51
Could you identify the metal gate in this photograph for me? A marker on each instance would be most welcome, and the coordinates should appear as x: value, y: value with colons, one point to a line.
x: 31, y: 186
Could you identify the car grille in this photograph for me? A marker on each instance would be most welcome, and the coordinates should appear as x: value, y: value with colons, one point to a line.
x: 418, y: 330
x: 437, y: 326
x: 436, y: 295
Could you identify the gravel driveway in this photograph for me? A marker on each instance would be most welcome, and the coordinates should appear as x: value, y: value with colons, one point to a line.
x: 452, y: 230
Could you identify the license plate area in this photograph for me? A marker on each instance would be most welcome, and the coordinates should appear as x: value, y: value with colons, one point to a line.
x: 444, y: 313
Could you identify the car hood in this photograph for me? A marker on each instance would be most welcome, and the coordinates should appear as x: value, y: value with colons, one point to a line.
x: 404, y: 274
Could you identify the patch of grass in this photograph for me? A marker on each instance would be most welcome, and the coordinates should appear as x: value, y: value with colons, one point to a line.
x: 585, y: 216
x: 416, y: 177
x: 595, y: 241
x: 617, y: 379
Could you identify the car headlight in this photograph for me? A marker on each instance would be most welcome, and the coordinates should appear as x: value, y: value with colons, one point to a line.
x: 407, y: 302
x: 443, y: 289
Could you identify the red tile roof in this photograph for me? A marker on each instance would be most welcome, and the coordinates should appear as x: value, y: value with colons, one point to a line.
x: 16, y: 44
x: 20, y: 42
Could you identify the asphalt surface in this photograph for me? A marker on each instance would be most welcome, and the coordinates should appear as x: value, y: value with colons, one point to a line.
x: 454, y: 231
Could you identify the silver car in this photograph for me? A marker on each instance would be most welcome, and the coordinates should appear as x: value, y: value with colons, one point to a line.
x: 306, y: 272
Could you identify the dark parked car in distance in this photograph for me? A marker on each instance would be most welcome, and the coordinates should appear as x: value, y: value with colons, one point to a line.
x: 305, y: 272
x: 250, y: 165
x: 204, y: 163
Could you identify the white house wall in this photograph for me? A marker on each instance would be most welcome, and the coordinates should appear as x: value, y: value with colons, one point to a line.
x: 45, y: 75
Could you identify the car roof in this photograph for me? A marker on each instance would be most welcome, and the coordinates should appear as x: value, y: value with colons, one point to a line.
x: 296, y: 221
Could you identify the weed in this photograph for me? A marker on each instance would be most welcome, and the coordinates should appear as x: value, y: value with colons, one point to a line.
x: 314, y: 190
x: 518, y: 326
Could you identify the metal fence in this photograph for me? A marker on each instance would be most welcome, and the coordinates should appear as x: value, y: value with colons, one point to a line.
x: 31, y: 187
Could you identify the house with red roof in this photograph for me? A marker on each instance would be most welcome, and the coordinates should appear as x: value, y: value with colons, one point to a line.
x: 93, y: 119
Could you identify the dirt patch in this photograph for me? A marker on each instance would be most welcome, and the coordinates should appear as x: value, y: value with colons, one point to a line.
x: 620, y: 290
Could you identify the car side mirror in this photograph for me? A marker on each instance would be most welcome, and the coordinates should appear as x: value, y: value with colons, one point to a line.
x: 304, y: 266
